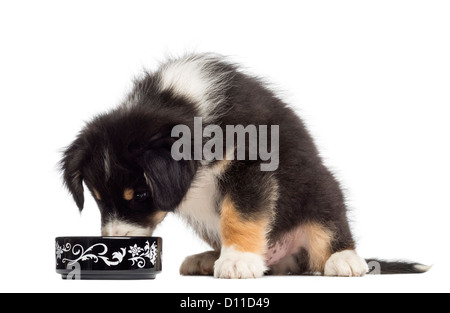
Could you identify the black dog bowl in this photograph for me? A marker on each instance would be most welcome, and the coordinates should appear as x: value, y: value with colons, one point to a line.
x: 108, y: 257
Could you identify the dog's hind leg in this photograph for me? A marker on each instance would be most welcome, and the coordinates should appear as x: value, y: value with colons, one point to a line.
x: 199, y: 264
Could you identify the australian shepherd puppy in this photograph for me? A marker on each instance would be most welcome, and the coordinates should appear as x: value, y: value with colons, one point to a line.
x: 261, y: 196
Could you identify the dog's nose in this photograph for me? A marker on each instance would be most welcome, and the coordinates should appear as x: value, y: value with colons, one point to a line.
x: 120, y: 228
x: 110, y: 230
x: 114, y: 232
x: 116, y: 228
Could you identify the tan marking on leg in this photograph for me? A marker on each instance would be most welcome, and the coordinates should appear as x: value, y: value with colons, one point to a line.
x: 244, y: 235
x: 128, y: 194
x: 97, y: 194
x: 319, y: 240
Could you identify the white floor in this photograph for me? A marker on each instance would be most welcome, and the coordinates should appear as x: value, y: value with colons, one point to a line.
x: 30, y: 268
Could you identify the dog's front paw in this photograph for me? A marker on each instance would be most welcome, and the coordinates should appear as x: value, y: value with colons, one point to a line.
x: 236, y: 264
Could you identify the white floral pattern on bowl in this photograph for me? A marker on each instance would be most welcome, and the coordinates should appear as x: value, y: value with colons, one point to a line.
x: 139, y: 256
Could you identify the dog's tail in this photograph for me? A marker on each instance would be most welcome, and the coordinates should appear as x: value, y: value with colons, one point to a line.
x: 395, y: 267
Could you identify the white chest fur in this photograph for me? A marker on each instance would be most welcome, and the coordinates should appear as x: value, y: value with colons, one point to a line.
x: 199, y: 206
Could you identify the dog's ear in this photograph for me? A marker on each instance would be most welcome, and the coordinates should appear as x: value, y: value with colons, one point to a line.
x: 71, y: 165
x: 169, y: 180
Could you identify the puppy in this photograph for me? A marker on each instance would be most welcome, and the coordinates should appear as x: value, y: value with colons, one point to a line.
x: 282, y: 214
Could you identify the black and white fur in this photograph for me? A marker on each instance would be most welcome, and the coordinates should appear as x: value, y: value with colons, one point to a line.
x: 123, y: 157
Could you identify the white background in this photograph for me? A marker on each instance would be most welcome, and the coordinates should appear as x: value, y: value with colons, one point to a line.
x: 371, y: 79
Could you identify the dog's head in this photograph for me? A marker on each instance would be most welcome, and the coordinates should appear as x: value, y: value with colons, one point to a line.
x: 124, y: 159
